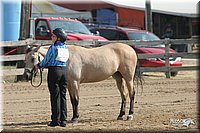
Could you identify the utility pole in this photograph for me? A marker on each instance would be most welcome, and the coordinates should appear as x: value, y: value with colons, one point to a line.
x: 148, y: 16
x: 24, y: 30
x: 25, y: 20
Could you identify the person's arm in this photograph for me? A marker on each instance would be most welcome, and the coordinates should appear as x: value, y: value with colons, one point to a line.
x: 46, y: 59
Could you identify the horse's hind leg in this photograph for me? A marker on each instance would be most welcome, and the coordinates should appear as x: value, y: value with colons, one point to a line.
x: 74, y: 97
x: 120, y: 85
x: 131, y: 91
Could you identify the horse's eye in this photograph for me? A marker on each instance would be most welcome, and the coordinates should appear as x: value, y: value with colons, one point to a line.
x: 32, y: 60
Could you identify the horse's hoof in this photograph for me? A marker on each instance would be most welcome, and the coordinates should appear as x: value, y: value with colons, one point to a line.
x: 121, y: 117
x: 130, y: 117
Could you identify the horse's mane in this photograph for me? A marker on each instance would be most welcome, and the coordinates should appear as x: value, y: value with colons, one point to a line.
x: 43, y: 50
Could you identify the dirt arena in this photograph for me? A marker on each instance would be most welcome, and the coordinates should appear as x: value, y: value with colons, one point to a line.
x: 162, y: 106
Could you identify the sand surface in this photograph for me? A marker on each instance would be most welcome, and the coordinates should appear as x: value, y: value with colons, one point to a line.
x: 163, y: 105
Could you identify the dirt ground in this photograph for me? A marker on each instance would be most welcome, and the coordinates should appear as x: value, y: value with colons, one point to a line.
x: 162, y: 106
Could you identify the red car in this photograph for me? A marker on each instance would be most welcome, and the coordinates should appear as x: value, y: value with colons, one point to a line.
x: 119, y: 33
x: 75, y: 29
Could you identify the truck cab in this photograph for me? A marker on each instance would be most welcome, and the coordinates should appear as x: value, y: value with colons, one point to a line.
x: 75, y: 29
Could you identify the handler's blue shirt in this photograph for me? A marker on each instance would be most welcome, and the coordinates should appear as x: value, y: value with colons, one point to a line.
x: 50, y: 58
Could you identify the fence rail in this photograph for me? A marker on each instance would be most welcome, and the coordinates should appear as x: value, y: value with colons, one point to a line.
x: 167, y: 42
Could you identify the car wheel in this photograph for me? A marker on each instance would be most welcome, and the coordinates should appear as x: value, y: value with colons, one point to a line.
x: 173, y: 74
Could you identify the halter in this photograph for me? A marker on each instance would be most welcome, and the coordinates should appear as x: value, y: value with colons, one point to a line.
x: 34, y: 73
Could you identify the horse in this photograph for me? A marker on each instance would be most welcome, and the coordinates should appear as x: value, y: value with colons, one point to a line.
x: 87, y: 65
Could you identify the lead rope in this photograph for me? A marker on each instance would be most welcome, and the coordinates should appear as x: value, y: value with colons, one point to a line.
x: 33, y: 75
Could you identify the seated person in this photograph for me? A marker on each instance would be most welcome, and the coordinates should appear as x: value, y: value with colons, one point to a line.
x: 41, y: 31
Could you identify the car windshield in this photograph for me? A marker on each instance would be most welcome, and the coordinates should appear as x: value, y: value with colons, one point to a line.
x: 144, y: 36
x: 70, y: 26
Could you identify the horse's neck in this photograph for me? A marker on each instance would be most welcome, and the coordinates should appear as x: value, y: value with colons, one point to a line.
x: 43, y: 50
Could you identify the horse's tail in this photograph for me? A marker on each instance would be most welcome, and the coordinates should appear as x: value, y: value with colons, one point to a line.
x: 138, y: 77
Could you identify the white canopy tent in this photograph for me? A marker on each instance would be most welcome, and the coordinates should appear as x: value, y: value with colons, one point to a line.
x: 47, y: 9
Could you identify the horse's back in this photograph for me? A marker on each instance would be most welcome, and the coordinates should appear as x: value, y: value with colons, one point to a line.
x: 117, y: 47
x: 124, y: 52
x: 123, y: 49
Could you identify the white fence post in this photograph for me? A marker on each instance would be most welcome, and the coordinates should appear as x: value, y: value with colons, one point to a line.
x: 189, y: 47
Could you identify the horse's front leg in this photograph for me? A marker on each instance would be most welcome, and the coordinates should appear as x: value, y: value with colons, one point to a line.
x: 74, y: 96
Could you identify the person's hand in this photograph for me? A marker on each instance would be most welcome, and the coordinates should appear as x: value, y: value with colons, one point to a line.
x: 36, y: 67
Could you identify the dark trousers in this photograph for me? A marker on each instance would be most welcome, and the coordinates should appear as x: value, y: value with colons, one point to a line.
x: 57, y: 83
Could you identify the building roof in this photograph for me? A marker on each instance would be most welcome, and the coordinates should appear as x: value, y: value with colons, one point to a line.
x: 186, y: 8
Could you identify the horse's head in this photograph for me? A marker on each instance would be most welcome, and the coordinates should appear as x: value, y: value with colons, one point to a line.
x: 31, y: 59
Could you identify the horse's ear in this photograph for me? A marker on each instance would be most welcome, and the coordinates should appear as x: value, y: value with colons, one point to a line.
x: 28, y: 49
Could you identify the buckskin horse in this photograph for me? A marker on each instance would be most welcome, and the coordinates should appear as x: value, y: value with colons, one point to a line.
x: 86, y: 65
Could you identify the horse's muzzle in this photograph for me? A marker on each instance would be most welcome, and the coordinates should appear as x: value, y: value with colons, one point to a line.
x: 27, y: 74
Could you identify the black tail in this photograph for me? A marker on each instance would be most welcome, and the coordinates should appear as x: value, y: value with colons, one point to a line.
x: 138, y: 77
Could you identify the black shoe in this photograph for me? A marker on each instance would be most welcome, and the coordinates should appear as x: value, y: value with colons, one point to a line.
x: 53, y: 124
x: 63, y: 123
